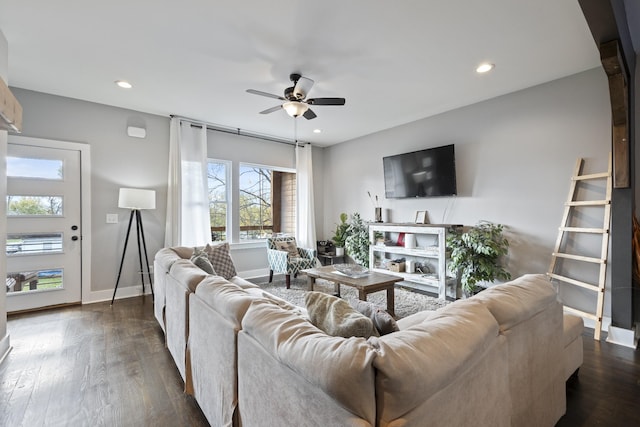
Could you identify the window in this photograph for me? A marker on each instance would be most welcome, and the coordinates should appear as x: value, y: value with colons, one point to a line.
x: 22, y: 167
x: 266, y: 201
x: 218, y: 173
x: 34, y: 205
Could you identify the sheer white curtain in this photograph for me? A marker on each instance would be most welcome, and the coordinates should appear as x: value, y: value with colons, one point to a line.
x: 188, y: 222
x: 306, y: 222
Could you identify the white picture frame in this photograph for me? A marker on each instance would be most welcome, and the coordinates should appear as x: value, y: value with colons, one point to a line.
x: 421, y: 217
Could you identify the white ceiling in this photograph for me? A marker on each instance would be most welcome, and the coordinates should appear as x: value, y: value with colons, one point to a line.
x: 393, y: 61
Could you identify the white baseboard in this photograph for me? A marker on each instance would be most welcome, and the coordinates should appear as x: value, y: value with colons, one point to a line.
x: 250, y: 274
x: 590, y: 323
x: 123, y: 292
x: 5, y: 347
x: 620, y: 336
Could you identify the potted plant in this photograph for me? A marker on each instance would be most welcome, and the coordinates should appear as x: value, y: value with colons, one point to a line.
x: 357, y: 241
x: 340, y: 235
x: 476, y: 255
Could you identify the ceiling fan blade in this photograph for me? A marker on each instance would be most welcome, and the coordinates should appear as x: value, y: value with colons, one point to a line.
x: 302, y: 88
x: 309, y: 114
x: 271, y: 110
x: 326, y: 101
x: 269, y: 95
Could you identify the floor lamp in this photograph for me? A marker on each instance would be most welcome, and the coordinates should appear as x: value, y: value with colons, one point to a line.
x: 136, y: 200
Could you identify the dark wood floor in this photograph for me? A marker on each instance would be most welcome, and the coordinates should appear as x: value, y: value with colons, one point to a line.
x: 607, y: 389
x: 92, y: 365
x: 97, y: 365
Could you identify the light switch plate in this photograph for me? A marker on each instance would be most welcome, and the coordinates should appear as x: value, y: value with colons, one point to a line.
x: 112, y: 218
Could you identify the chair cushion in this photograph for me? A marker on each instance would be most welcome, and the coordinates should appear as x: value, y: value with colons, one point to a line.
x: 336, y: 317
x: 289, y: 246
x: 221, y: 259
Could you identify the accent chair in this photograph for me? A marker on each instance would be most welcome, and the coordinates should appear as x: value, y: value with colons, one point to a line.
x: 286, y: 257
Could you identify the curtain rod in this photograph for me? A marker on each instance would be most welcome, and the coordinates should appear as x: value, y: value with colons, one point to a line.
x: 239, y: 132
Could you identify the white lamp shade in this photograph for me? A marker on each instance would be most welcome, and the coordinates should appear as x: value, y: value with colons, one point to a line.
x: 133, y: 198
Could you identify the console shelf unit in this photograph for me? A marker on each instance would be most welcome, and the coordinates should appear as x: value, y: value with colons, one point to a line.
x: 430, y: 251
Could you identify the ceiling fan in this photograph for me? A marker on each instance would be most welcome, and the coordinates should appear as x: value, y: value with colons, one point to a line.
x: 296, y: 105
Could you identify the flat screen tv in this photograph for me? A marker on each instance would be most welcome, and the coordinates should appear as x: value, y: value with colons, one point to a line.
x: 424, y: 173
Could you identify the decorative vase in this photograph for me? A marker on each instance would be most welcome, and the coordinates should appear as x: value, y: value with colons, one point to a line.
x: 339, y: 251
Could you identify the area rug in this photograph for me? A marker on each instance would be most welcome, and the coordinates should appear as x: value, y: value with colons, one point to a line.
x: 406, y: 302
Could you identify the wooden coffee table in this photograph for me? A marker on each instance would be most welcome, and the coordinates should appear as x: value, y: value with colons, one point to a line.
x: 372, y: 282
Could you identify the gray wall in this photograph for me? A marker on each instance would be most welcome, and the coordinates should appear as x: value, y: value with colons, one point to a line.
x: 117, y: 160
x: 514, y: 157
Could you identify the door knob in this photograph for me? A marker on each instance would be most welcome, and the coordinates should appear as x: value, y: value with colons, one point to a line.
x: 74, y: 238
x: 74, y: 227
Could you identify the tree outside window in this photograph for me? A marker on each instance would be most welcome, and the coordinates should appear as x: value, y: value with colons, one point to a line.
x: 217, y: 173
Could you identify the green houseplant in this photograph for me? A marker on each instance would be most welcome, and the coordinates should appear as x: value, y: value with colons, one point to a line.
x: 340, y: 235
x: 476, y: 255
x: 357, y: 242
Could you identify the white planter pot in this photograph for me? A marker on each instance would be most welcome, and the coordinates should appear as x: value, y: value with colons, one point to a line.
x: 339, y: 251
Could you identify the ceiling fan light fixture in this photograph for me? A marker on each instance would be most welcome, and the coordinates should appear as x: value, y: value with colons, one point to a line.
x: 295, y: 108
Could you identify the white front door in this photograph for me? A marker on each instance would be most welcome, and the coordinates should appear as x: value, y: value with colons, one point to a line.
x: 44, y: 231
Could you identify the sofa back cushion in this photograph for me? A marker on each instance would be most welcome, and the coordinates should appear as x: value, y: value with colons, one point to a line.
x: 187, y: 273
x: 165, y: 258
x: 530, y: 318
x: 416, y: 364
x: 227, y: 299
x: 183, y: 251
x: 519, y: 300
x: 341, y: 367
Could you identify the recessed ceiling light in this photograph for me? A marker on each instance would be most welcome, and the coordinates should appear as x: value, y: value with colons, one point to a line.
x: 124, y: 84
x: 484, y: 67
x: 317, y: 131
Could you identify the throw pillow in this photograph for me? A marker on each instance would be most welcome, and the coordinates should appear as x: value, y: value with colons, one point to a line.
x: 383, y: 321
x: 289, y: 246
x: 221, y: 260
x: 336, y: 317
x: 201, y: 260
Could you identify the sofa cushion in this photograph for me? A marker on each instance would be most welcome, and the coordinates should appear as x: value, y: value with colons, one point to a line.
x: 221, y: 260
x: 182, y: 251
x: 200, y: 259
x: 415, y: 319
x: 227, y: 299
x: 336, y: 317
x: 519, y: 300
x: 341, y: 367
x: 243, y: 283
x: 166, y: 257
x: 417, y: 363
x: 186, y: 273
x: 382, y: 321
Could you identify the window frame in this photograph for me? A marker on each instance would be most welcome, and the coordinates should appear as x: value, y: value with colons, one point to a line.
x: 233, y: 196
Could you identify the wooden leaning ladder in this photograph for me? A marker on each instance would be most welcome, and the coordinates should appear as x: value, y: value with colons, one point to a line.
x: 604, y: 232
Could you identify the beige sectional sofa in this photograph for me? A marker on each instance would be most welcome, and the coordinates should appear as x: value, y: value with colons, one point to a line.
x: 252, y: 359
